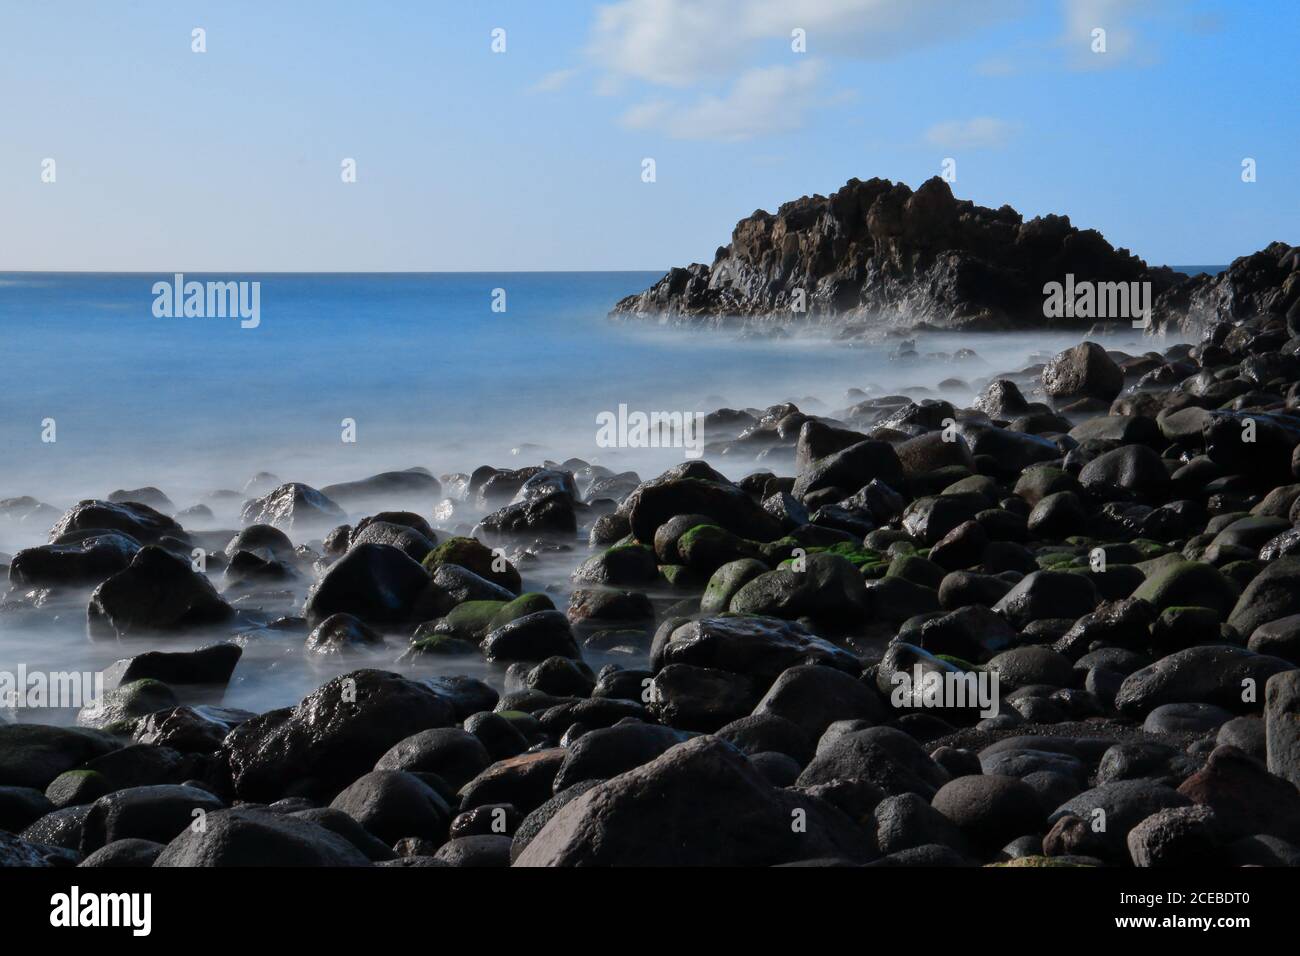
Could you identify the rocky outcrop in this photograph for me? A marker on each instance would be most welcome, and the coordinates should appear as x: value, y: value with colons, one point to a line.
x: 1264, y: 283
x: 878, y: 255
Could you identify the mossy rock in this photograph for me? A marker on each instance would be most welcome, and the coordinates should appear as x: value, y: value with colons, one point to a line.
x: 1061, y: 561
x: 530, y: 602
x: 726, y: 581
x: 621, y: 565
x: 472, y: 555
x: 707, y: 547
x: 439, y: 643
x: 120, y: 707
x: 471, y: 620
x: 680, y: 576
x: 78, y: 787
x: 918, y: 570
x: 1149, y: 548
x: 782, y: 549
x: 1189, y: 583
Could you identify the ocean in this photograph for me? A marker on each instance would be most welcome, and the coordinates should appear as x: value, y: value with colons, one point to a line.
x: 424, y: 368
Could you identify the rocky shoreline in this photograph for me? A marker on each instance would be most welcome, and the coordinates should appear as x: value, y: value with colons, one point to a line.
x: 1105, y: 545
x: 877, y: 256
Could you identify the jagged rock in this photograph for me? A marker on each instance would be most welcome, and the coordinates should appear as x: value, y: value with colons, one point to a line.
x: 877, y: 249
x: 293, y: 507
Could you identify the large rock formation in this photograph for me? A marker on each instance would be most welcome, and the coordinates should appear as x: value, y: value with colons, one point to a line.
x: 877, y: 255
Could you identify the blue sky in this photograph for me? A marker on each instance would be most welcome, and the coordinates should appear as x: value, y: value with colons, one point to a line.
x: 230, y: 160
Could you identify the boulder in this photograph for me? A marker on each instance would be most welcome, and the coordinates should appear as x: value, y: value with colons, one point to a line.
x: 156, y: 592
x: 332, y: 736
x: 714, y: 807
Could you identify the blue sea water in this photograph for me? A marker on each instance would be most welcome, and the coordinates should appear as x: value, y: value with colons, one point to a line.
x: 431, y: 375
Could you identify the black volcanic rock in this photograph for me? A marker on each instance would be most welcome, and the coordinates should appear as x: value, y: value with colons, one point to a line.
x: 877, y: 248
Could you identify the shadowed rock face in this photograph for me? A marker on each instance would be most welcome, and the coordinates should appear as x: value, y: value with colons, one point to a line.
x: 875, y: 254
x: 878, y: 251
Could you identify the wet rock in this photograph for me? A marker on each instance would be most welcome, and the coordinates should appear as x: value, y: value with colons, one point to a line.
x: 414, y: 487
x: 474, y: 556
x: 188, y: 730
x: 828, y: 588
x: 332, y: 736
x: 342, y: 634
x: 725, y: 504
x: 533, y: 637
x: 726, y: 581
x: 546, y: 516
x: 701, y: 698
x: 609, y: 751
x: 127, y: 701
x: 1188, y: 583
x: 128, y: 852
x: 1273, y: 594
x: 211, y: 666
x: 374, y: 582
x: 156, y: 813
x: 621, y: 565
x: 137, y: 521
x: 81, y: 563
x: 761, y: 647
x: 813, y: 697
x: 1084, y: 370
x: 1129, y: 471
x: 261, y: 538
x: 1058, y: 515
x: 743, y: 819
x: 524, y: 781
x: 1045, y: 594
x: 454, y: 754
x: 77, y: 787
x: 414, y: 543
x: 156, y: 592
x: 293, y: 507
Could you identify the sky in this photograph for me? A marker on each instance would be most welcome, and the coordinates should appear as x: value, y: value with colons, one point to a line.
x: 491, y: 136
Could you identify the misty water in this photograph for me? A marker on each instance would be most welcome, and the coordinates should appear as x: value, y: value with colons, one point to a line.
x: 431, y: 375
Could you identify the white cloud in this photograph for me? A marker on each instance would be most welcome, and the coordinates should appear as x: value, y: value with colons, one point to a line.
x: 551, y: 82
x: 728, y: 50
x: 981, y: 132
x: 1115, y: 17
x: 762, y: 101
x: 669, y: 42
